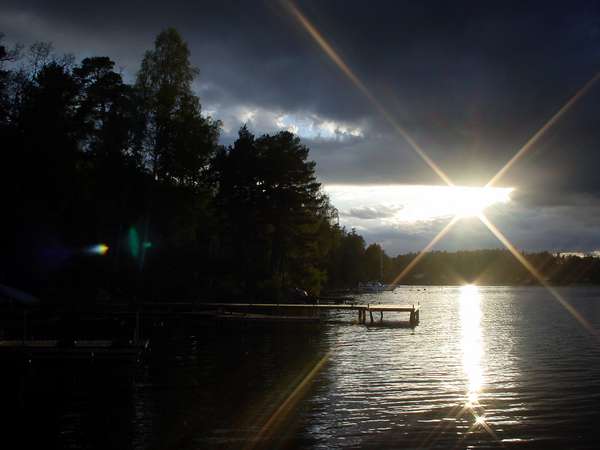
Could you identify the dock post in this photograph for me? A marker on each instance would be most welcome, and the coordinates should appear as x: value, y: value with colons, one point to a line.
x: 371, y: 314
x: 24, y: 325
x: 381, y: 316
x: 136, y: 331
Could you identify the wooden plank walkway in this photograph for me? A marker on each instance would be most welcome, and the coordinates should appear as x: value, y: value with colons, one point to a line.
x: 79, y: 349
x: 361, y: 309
x: 266, y: 311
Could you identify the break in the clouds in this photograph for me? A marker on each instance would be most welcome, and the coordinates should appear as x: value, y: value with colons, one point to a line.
x: 407, y: 217
x: 397, y: 205
x: 307, y: 125
x: 470, y: 81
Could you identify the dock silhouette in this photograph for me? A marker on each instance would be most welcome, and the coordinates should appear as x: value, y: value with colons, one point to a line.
x: 291, y: 311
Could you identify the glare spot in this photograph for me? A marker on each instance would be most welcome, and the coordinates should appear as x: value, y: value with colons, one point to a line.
x: 470, y: 202
x: 470, y: 317
x: 99, y: 249
x: 134, y: 242
x: 414, y: 203
x: 469, y: 290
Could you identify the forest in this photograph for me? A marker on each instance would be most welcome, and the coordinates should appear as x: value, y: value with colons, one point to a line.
x: 121, y: 192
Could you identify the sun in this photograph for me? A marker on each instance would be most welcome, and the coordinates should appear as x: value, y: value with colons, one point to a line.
x: 472, y: 201
x: 469, y: 290
x: 361, y: 205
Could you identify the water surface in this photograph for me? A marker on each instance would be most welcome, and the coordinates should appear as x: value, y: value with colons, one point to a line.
x: 488, y: 367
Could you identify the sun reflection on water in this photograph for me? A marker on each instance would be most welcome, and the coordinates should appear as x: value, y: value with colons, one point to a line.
x: 472, y: 345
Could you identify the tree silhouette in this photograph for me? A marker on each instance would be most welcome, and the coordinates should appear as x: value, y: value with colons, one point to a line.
x: 86, y: 158
x: 272, y: 210
x: 179, y: 141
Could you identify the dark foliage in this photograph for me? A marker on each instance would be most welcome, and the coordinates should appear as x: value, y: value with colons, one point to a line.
x: 87, y: 159
x: 494, y: 267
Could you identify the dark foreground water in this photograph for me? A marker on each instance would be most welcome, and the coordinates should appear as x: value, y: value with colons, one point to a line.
x: 493, y: 367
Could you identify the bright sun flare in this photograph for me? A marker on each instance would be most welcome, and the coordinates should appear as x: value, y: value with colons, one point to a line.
x: 412, y: 203
x: 472, y: 345
x: 470, y: 202
x: 468, y: 291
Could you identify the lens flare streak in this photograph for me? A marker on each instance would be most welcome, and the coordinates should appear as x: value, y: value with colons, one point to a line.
x: 99, y: 249
x: 422, y: 253
x: 543, y: 130
x: 276, y: 419
x: 472, y: 348
x: 339, y: 62
x: 538, y: 276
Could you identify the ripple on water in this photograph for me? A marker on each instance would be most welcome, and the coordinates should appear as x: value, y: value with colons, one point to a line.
x: 535, y: 374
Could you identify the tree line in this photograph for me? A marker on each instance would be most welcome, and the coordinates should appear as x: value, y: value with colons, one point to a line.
x: 91, y: 164
x: 119, y: 191
x: 494, y: 267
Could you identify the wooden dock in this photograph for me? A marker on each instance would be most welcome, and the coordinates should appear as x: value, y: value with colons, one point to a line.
x: 79, y: 349
x: 288, y: 310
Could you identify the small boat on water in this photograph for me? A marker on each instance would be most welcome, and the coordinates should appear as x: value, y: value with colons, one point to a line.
x: 376, y: 286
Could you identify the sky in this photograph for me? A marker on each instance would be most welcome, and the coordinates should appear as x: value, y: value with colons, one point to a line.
x: 468, y: 82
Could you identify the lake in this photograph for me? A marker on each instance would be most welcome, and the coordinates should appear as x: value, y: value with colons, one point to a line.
x: 488, y: 367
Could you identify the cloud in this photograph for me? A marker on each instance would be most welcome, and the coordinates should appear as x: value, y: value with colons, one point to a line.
x: 309, y: 126
x: 372, y: 212
x: 557, y: 228
x: 471, y: 85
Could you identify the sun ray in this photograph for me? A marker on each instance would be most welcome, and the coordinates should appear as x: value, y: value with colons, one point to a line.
x: 269, y: 427
x: 422, y: 253
x: 479, y: 422
x: 358, y: 83
x: 347, y: 71
x: 543, y: 130
x: 538, y: 276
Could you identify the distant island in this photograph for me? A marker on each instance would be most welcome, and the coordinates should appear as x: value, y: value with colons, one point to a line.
x: 121, y: 192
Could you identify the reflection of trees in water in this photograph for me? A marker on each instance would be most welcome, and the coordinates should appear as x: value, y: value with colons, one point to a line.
x: 68, y: 404
x: 224, y: 385
x: 217, y: 388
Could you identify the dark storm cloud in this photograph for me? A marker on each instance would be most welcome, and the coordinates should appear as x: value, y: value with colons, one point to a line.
x: 375, y: 159
x: 249, y: 51
x: 470, y: 81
